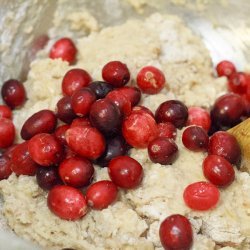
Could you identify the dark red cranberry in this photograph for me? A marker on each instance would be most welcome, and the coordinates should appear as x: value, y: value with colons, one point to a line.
x: 201, y: 195
x: 5, y: 112
x: 115, y: 146
x: 225, y: 68
x: 67, y: 202
x: 45, y: 150
x: 116, y: 73
x: 176, y: 233
x: 13, y: 93
x: 167, y: 130
x: 7, y: 133
x: 139, y: 129
x: 88, y: 142
x: 195, y: 139
x: 43, y: 121
x: 238, y: 83
x: 199, y: 117
x: 76, y: 172
x: 68, y: 153
x: 64, y: 110
x: 218, y: 170
x: 105, y: 116
x: 224, y: 144
x: 65, y: 49
x: 227, y: 110
x: 172, y: 111
x: 162, y: 150
x: 21, y: 161
x: 82, y: 100
x: 101, y: 194
x: 82, y: 122
x: 133, y: 94
x: 47, y: 177
x: 150, y: 80
x: 142, y: 109
x: 60, y: 133
x: 125, y: 172
x: 5, y: 167
x: 74, y: 80
x: 101, y: 89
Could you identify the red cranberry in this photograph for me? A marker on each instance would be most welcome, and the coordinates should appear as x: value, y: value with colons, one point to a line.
x: 5, y: 167
x: 172, y: 111
x: 13, y: 93
x: 74, y: 80
x: 101, y: 89
x: 105, y: 116
x: 66, y: 202
x: 47, y: 177
x: 176, y: 233
x: 64, y: 110
x: 195, y: 139
x: 65, y: 49
x: 86, y: 141
x: 76, y: 172
x: 7, y: 133
x: 167, y: 130
x: 150, y: 80
x: 125, y: 172
x: 227, y: 110
x: 101, y: 194
x: 82, y: 122
x: 224, y: 144
x: 60, y: 133
x: 21, y: 162
x: 45, y: 150
x: 9, y: 151
x: 139, y: 129
x: 218, y: 170
x: 225, y: 68
x: 201, y: 195
x: 68, y: 152
x: 162, y: 150
x: 133, y: 94
x: 246, y: 105
x: 43, y: 121
x: 199, y: 117
x: 116, y: 73
x: 5, y: 112
x: 82, y: 100
x: 142, y: 109
x: 238, y: 83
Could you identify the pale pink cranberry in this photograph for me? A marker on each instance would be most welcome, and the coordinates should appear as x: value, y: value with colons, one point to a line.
x: 167, y: 130
x: 60, y: 133
x: 142, y: 109
x: 5, y: 112
x: 225, y: 68
x: 133, y: 94
x: 5, y: 167
x: 7, y: 133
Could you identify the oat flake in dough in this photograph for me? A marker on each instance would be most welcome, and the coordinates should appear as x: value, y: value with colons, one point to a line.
x: 133, y: 221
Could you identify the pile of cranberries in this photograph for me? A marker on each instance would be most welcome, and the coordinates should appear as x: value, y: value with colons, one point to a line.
x: 101, y: 120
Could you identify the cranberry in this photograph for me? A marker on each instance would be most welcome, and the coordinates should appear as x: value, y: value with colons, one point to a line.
x: 125, y: 172
x: 105, y: 116
x: 9, y: 151
x: 5, y: 112
x: 199, y: 117
x: 21, y: 162
x: 139, y: 129
x: 7, y: 133
x: 45, y: 150
x: 201, y: 195
x: 13, y: 93
x: 116, y: 73
x: 5, y: 167
x: 224, y: 144
x: 68, y: 152
x: 86, y: 141
x: 82, y: 122
x: 101, y: 89
x: 162, y: 150
x: 101, y: 194
x: 82, y: 100
x: 47, y: 177
x: 64, y: 110
x: 167, y: 130
x: 150, y: 80
x: 66, y: 202
x: 238, y: 83
x: 74, y: 80
x: 76, y: 172
x: 218, y: 170
x: 176, y: 233
x: 65, y: 49
x: 172, y: 111
x: 142, y: 109
x: 43, y: 121
x: 133, y: 94
x: 195, y: 139
x: 60, y: 133
x: 225, y: 68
